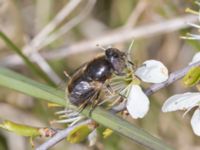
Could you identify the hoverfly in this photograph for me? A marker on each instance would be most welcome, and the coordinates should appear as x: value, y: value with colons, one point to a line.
x: 86, y: 83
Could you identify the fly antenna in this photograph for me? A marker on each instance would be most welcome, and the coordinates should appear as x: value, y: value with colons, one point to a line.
x: 130, y: 48
x: 101, y: 47
x: 128, y: 53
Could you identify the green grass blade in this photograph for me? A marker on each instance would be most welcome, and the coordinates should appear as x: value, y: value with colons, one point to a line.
x: 26, y: 60
x: 20, y: 83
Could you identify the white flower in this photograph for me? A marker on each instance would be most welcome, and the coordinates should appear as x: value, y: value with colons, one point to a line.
x: 137, y: 102
x: 185, y: 101
x: 152, y: 71
x: 195, y: 122
x: 195, y: 58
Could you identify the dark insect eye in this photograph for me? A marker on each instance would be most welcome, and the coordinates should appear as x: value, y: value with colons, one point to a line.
x: 116, y: 55
x: 112, y: 52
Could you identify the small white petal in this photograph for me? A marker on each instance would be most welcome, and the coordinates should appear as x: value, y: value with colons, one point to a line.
x: 152, y: 71
x: 181, y: 102
x: 195, y: 122
x: 137, y: 102
x: 92, y: 138
x: 195, y: 58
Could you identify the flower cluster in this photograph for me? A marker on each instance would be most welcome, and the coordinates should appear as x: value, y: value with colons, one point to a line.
x: 186, y: 101
x: 126, y: 88
x: 189, y: 100
x: 129, y: 86
x: 151, y: 71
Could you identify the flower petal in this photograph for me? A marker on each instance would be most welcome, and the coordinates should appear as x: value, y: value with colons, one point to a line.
x: 195, y: 58
x: 137, y: 102
x: 152, y: 71
x: 92, y: 138
x: 181, y: 101
x: 195, y: 122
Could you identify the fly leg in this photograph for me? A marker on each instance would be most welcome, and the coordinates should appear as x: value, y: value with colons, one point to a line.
x: 89, y: 100
x: 82, y: 107
x: 95, y: 103
x: 118, y: 100
x: 109, y: 88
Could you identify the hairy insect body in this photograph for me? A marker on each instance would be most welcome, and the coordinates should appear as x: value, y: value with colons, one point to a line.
x: 86, y: 83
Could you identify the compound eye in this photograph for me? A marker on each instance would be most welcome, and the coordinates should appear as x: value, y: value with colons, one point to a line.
x: 109, y: 52
x: 113, y: 52
x: 116, y: 55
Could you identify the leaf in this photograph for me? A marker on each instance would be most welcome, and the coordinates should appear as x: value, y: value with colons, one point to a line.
x: 20, y: 129
x: 26, y: 60
x: 78, y: 134
x: 192, y: 77
x: 22, y: 84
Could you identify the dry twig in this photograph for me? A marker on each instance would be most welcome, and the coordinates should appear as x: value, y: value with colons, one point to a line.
x: 38, y: 39
x: 123, y: 35
x: 69, y: 25
x: 116, y: 36
x: 142, y: 4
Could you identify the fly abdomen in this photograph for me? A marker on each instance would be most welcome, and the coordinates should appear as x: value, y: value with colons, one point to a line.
x: 81, y: 92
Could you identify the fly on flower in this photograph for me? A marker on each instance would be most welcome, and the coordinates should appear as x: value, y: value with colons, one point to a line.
x: 151, y: 71
x: 87, y: 82
x: 137, y: 103
x: 90, y: 83
x: 111, y: 79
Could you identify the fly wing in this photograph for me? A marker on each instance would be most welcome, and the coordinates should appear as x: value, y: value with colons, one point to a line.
x: 76, y: 77
x: 81, y: 92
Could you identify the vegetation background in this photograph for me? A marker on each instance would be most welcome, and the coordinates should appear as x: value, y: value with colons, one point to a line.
x: 157, y: 36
